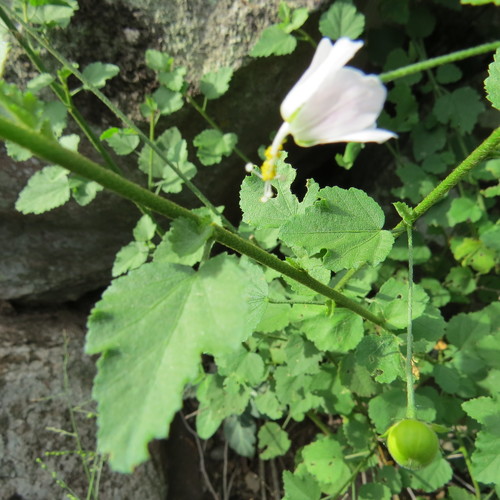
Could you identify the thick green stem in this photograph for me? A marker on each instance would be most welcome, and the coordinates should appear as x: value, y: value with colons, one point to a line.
x: 53, y: 152
x: 438, y: 61
x: 481, y: 153
x: 410, y: 390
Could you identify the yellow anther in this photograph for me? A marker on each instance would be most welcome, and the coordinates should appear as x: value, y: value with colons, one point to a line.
x: 268, y: 170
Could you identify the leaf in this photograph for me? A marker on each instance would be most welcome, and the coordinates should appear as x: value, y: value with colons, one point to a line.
x: 382, y: 357
x: 217, y: 402
x: 40, y: 82
x: 275, y: 212
x: 168, y: 101
x: 151, y: 327
x: 338, y: 333
x: 97, y: 73
x: 216, y: 83
x: 295, y: 21
x: 374, y: 491
x: 159, y: 61
x: 430, y: 478
x: 129, y: 257
x: 392, y: 299
x: 464, y: 209
x: 240, y: 434
x: 485, y: 458
x: 83, y: 190
x: 213, y: 145
x: 345, y: 223
x: 187, y: 236
x: 123, y: 141
x: 460, y: 108
x: 324, y: 460
x: 479, y: 2
x: 46, y: 189
x: 492, y: 83
x: 303, y: 487
x: 274, y: 41
x: 145, y: 229
x: 342, y: 19
x: 174, y: 148
x: 173, y: 79
x: 273, y: 441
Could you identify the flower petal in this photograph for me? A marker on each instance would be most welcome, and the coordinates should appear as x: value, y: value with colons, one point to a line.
x: 328, y: 59
x: 346, y: 103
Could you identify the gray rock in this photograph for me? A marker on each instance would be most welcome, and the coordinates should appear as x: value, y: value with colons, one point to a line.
x: 43, y: 374
x: 62, y: 254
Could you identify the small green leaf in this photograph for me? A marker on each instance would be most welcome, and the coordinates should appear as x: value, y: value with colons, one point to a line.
x: 187, y: 236
x: 460, y: 108
x: 83, y: 190
x: 464, y: 209
x: 324, y: 460
x: 145, y: 228
x: 492, y: 83
x: 449, y: 73
x: 174, y: 79
x: 300, y: 487
x: 97, y: 73
x: 213, y: 145
x: 159, y: 61
x: 129, y: 257
x: 123, y: 141
x: 382, y: 357
x: 374, y: 491
x: 46, y: 189
x: 275, y: 211
x: 342, y: 19
x: 40, y: 82
x: 338, y: 333
x: 216, y: 83
x: 295, y: 20
x: 174, y: 148
x: 274, y: 41
x: 273, y: 441
x: 239, y: 431
x: 168, y: 101
x: 430, y: 478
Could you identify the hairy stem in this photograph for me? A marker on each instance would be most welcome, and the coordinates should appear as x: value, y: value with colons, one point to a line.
x: 389, y: 76
x: 53, y: 152
x: 410, y: 390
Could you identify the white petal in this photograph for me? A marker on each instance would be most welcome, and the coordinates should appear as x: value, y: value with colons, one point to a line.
x: 327, y: 60
x: 346, y: 103
x: 369, y: 135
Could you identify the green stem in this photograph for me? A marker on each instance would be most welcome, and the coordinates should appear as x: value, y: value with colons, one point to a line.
x: 318, y: 423
x: 129, y: 123
x: 438, y: 61
x: 53, y: 152
x: 486, y: 149
x: 410, y: 390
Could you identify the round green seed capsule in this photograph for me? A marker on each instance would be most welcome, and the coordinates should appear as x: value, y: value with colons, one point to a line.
x: 412, y: 444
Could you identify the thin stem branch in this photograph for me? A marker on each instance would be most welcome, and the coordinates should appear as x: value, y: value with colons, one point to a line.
x: 53, y: 152
x: 318, y: 423
x: 438, y: 61
x: 410, y: 390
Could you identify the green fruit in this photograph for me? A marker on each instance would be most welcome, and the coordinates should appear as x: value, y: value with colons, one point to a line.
x: 412, y: 444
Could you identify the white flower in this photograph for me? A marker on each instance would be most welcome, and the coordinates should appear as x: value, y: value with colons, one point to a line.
x: 329, y: 103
